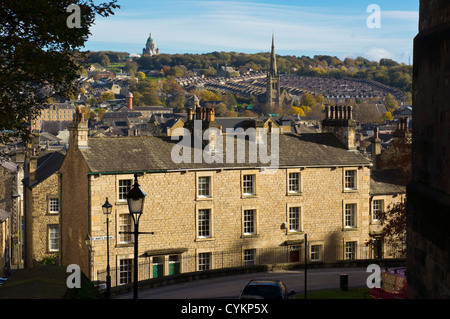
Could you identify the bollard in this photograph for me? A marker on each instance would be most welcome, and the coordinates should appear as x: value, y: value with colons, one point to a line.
x: 344, y: 282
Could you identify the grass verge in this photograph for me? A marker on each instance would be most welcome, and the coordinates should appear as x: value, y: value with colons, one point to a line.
x: 46, y: 282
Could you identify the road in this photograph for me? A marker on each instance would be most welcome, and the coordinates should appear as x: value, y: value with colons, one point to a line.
x: 229, y: 287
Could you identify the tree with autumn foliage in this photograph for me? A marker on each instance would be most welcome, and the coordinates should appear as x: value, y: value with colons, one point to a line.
x: 393, y: 222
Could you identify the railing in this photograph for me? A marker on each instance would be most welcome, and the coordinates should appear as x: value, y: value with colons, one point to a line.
x: 159, y: 266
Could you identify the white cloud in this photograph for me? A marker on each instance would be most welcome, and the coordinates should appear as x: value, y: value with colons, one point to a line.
x: 376, y: 54
x: 401, y: 15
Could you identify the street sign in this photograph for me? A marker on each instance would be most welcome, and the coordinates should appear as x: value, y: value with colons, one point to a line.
x: 102, y: 238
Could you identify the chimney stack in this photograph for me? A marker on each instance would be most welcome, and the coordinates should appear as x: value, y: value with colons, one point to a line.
x: 402, y: 128
x: 189, y: 115
x: 376, y: 148
x: 339, y: 121
x: 33, y: 159
x: 78, y: 136
x: 129, y: 99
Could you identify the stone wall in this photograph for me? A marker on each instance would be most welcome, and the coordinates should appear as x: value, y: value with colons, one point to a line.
x: 75, y: 211
x: 38, y: 218
x: 429, y: 191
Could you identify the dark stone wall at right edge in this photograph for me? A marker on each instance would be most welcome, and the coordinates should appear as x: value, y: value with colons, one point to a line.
x: 428, y: 193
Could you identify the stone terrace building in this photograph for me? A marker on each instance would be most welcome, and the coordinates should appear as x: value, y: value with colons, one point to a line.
x: 320, y: 188
x: 42, y: 207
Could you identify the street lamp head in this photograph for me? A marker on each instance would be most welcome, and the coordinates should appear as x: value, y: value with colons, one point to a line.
x: 135, y: 198
x: 87, y: 241
x: 107, y: 207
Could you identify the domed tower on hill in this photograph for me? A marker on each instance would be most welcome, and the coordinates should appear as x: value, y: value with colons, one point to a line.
x: 150, y: 47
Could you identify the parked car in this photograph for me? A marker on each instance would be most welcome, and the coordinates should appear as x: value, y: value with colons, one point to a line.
x: 393, y: 285
x: 99, y: 285
x: 265, y: 289
x: 3, y: 280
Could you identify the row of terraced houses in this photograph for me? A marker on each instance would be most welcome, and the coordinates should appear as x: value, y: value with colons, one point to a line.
x: 207, y: 215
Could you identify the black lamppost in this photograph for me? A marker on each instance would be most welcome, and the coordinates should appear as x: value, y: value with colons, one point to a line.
x: 107, y: 209
x: 135, y: 199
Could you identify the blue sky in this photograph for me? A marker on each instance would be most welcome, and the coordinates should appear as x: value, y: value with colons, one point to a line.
x: 301, y: 27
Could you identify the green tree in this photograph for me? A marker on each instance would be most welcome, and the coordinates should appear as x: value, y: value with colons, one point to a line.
x: 131, y: 67
x: 207, y: 96
x: 141, y: 76
x: 105, y: 61
x: 221, y: 109
x: 100, y: 114
x: 391, y: 102
x: 150, y: 98
x: 308, y: 100
x: 38, y: 50
x: 107, y: 96
x: 92, y: 101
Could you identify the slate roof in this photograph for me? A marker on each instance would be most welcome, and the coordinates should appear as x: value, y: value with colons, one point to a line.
x: 387, y: 182
x: 152, y: 153
x: 48, y: 164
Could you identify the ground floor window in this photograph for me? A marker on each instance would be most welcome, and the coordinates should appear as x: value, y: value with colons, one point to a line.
x: 316, y: 252
x: 204, y: 261
x: 125, y: 271
x: 53, y: 238
x: 350, y: 250
x: 249, y: 257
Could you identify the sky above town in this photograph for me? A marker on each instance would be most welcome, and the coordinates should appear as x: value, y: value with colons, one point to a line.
x: 301, y: 27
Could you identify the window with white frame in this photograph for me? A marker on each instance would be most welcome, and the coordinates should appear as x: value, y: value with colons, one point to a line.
x: 249, y: 257
x: 125, y: 225
x: 350, y: 180
x: 377, y: 209
x: 350, y: 250
x: 294, y: 182
x: 294, y: 219
x: 249, y: 222
x: 204, y: 223
x: 124, y: 188
x: 350, y: 216
x: 53, y: 205
x: 204, y: 186
x: 53, y: 238
x: 249, y: 184
x: 125, y: 271
x: 316, y: 252
x: 204, y: 261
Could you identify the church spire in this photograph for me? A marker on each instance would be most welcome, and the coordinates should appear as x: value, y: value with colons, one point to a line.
x: 273, y: 61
